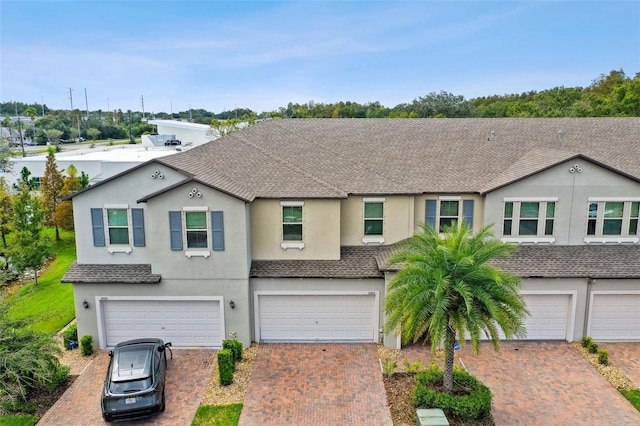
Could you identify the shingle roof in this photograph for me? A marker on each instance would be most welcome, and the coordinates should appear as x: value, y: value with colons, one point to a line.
x: 330, y: 158
x: 588, y: 261
x: 355, y: 262
x: 116, y: 274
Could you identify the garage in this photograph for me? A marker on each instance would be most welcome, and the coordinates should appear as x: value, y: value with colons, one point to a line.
x: 614, y: 316
x: 314, y: 317
x: 184, y: 323
x: 549, y: 316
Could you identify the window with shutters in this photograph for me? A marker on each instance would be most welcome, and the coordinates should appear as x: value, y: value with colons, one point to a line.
x: 196, y: 231
x: 448, y: 210
x: 118, y: 227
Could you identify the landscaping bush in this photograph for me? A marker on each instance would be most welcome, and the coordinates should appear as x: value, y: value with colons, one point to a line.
x: 236, y: 348
x: 389, y: 367
x: 70, y: 335
x: 603, y: 357
x: 226, y: 365
x: 86, y: 344
x: 471, y: 399
x: 586, y: 341
x: 592, y: 348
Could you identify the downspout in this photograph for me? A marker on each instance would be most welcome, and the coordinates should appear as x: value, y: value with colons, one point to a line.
x: 590, y: 281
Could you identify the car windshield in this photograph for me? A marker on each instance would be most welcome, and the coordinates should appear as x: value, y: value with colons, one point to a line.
x: 131, y: 364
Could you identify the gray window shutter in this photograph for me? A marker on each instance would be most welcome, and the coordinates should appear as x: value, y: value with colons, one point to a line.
x: 467, y: 212
x: 217, y: 230
x: 175, y: 229
x: 430, y: 213
x: 137, y: 223
x: 97, y: 225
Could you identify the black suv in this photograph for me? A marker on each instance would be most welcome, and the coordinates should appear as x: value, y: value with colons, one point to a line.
x: 134, y: 386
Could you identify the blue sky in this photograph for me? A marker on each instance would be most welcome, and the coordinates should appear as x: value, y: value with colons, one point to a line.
x: 262, y: 55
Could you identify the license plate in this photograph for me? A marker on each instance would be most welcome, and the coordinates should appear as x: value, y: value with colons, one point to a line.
x: 130, y: 400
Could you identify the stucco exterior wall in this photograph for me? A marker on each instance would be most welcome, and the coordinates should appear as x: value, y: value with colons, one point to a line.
x: 320, y: 230
x: 572, y: 190
x: 398, y: 219
x: 420, y: 207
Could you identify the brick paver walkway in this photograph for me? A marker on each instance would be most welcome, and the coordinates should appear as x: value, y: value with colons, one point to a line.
x: 188, y: 376
x: 625, y: 356
x: 316, y: 384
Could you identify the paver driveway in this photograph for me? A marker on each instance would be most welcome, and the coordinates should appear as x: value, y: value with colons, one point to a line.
x: 188, y: 375
x: 316, y: 384
x: 543, y: 383
x: 625, y: 356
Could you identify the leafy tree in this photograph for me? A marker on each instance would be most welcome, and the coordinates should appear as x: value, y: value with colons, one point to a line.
x: 54, y: 136
x: 30, y: 247
x: 51, y: 190
x: 63, y: 215
x: 29, y: 360
x: 93, y: 133
x: 25, y: 181
x: 6, y: 210
x: 446, y: 291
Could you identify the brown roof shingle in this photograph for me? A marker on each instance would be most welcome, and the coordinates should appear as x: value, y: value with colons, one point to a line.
x: 116, y: 274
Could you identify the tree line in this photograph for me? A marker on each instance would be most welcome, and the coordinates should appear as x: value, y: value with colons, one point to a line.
x: 609, y: 95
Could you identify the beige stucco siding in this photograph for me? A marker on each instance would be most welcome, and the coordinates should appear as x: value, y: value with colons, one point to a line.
x: 572, y: 191
x: 320, y: 230
x: 397, y: 225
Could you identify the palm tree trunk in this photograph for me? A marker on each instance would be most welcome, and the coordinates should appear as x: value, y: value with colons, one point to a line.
x: 448, y: 361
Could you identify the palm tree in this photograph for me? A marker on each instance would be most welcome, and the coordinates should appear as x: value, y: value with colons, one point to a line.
x: 446, y: 291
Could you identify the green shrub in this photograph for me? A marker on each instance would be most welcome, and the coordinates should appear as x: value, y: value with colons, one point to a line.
x: 471, y: 399
x: 413, y: 367
x: 236, y: 348
x: 586, y: 341
x: 389, y: 367
x: 592, y: 348
x: 603, y: 357
x: 225, y: 366
x: 70, y: 335
x: 86, y: 344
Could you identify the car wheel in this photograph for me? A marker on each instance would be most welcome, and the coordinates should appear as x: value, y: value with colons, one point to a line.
x: 162, y: 405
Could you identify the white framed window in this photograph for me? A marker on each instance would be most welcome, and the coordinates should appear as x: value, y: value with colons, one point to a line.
x: 448, y: 209
x: 613, y: 220
x: 118, y: 227
x: 373, y: 213
x: 196, y: 231
x: 292, y: 224
x: 529, y: 219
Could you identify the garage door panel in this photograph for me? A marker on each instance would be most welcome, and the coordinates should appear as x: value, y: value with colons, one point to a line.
x: 183, y: 323
x: 615, y: 317
x: 316, y: 317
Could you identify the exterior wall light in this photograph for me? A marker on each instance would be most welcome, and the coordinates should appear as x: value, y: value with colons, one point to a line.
x: 85, y: 304
x: 232, y: 304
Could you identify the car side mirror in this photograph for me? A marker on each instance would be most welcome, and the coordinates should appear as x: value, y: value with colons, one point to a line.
x: 111, y: 353
x: 160, y: 348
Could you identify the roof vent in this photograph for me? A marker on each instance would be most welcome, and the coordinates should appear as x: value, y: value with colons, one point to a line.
x: 560, y: 133
x: 491, y: 135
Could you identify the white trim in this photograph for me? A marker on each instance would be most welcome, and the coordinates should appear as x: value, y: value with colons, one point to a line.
x: 119, y: 249
x: 449, y: 198
x: 572, y: 309
x: 528, y: 199
x: 195, y: 208
x: 116, y: 206
x: 612, y: 239
x: 376, y: 305
x: 101, y: 320
x: 197, y: 253
x: 292, y: 203
x: 373, y: 240
x: 609, y: 292
x: 528, y: 240
x: 621, y: 199
x: 373, y: 199
x: 285, y: 246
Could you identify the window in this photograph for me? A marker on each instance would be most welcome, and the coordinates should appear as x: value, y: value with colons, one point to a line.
x: 529, y: 218
x: 447, y: 210
x: 118, y: 225
x: 612, y: 218
x: 197, y: 228
x: 373, y: 217
x: 292, y: 223
x: 122, y: 226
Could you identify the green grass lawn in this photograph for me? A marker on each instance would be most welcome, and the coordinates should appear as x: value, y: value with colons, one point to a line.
x: 18, y: 420
x: 219, y: 415
x: 633, y: 396
x: 50, y: 303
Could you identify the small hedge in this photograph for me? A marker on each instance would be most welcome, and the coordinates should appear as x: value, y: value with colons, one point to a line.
x: 603, y: 357
x: 70, y: 335
x: 471, y: 399
x: 226, y: 366
x: 592, y: 348
x: 86, y: 344
x: 236, y: 348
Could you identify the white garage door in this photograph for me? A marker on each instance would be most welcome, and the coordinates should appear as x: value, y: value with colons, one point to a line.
x: 549, y: 316
x: 615, y: 316
x: 316, y: 318
x: 184, y: 323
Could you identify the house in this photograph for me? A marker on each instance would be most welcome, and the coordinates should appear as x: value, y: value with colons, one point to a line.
x: 280, y: 232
